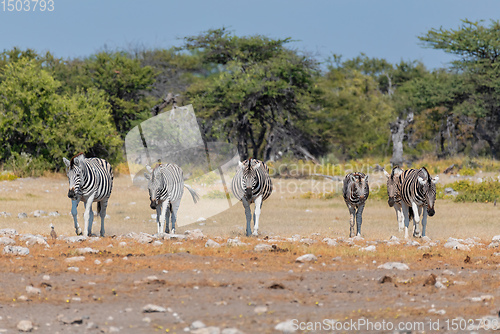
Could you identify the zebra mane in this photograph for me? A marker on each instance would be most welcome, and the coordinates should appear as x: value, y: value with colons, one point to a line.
x: 72, y: 162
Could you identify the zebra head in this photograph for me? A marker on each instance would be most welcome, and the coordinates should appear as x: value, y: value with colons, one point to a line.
x: 360, y: 187
x: 74, y: 171
x: 249, y: 177
x: 153, y: 186
x: 392, y: 180
x: 428, y: 185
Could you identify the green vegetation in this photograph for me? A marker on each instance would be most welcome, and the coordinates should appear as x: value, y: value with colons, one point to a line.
x: 272, y: 102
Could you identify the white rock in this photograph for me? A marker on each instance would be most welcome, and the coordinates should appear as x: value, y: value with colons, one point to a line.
x: 78, y: 238
x: 54, y: 214
x: 74, y: 259
x: 496, y: 238
x: 371, y: 248
x: 394, y: 265
x: 30, y: 289
x: 87, y: 250
x: 286, y: 327
x: 8, y: 231
x: 75, y: 269
x: 262, y: 248
x: 440, y: 285
x: 260, y: 309
x: 122, y: 244
x: 7, y: 241
x: 235, y: 242
x: 97, y: 262
x: 201, y: 219
x: 157, y: 243
x: 206, y: 330
x: 25, y: 326
x: 16, y: 250
x: 194, y: 234
x: 306, y: 258
x: 151, y: 308
x: 197, y: 324
x: 231, y: 331
x: 211, y: 243
x: 22, y: 215
x: 144, y: 238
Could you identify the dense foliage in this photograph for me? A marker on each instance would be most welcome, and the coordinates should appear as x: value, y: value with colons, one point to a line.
x: 269, y: 100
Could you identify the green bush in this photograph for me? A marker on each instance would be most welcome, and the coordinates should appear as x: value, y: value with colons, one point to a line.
x: 24, y: 165
x: 484, y: 192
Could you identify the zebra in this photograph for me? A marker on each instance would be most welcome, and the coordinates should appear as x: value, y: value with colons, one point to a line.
x: 252, y: 184
x: 166, y: 187
x: 90, y: 180
x: 394, y: 194
x: 418, y: 193
x: 356, y: 191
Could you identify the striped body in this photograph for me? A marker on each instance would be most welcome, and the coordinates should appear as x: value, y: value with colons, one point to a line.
x: 252, y: 184
x: 418, y: 192
x: 90, y: 180
x: 356, y: 192
x: 394, y: 194
x: 166, y: 187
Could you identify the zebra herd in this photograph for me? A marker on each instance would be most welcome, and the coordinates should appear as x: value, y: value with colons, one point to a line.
x: 412, y: 193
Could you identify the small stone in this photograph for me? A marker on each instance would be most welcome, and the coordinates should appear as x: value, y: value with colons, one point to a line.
x: 194, y: 234
x: 197, y: 324
x: 211, y: 243
x: 16, y: 250
x: 32, y: 290
x: 231, y: 331
x: 7, y: 241
x: 371, y: 248
x: 260, y: 309
x: 22, y: 215
x: 75, y: 269
x: 306, y: 258
x: 286, y: 327
x: 25, y: 326
x: 151, y: 308
x: 440, y: 285
x: 157, y: 243
x: 74, y: 259
x: 394, y: 265
x: 263, y: 248
x: 87, y: 250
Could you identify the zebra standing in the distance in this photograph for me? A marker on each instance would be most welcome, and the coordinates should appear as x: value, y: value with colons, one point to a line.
x: 90, y: 180
x: 394, y: 194
x: 418, y: 192
x: 356, y: 191
x: 166, y: 187
x: 252, y: 184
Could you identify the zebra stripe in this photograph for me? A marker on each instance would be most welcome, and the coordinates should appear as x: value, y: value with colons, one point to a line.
x: 252, y: 184
x: 418, y: 192
x: 356, y: 192
x: 90, y: 180
x: 394, y: 194
x: 166, y: 187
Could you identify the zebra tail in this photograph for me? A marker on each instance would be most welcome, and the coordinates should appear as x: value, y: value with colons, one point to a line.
x: 193, y: 193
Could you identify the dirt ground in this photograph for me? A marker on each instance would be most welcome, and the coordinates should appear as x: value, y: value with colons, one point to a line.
x: 237, y: 286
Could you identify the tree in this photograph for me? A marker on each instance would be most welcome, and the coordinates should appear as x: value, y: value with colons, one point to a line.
x: 476, y: 90
x: 36, y: 120
x: 260, y: 96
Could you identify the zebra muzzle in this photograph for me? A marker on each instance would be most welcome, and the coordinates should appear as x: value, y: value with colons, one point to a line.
x: 431, y: 212
x: 153, y: 204
x: 71, y: 194
x: 391, y: 202
x: 248, y: 193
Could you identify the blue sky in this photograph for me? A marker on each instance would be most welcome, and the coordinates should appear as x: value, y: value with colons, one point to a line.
x: 379, y: 28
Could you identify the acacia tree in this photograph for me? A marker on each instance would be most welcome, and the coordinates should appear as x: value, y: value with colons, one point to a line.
x: 475, y: 92
x: 258, y: 98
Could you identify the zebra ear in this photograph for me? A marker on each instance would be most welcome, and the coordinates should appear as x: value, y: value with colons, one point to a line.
x: 147, y: 176
x: 149, y: 169
x: 240, y: 164
x: 66, y: 162
x: 421, y: 181
x: 366, y: 178
x: 435, y: 180
x: 353, y: 179
x: 387, y: 175
x: 257, y: 165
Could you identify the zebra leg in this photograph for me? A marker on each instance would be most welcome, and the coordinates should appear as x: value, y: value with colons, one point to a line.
x: 248, y: 214
x: 175, y: 208
x: 416, y: 219
x: 158, y: 215
x: 424, y: 221
x: 87, y: 230
x: 167, y: 220
x: 164, y: 209
x: 352, y: 212
x: 406, y: 215
x: 359, y: 218
x: 399, y: 216
x: 256, y: 215
x: 102, y: 206
x: 74, y: 213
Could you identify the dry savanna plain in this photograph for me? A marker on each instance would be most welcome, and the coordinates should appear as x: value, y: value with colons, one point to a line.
x: 210, y: 278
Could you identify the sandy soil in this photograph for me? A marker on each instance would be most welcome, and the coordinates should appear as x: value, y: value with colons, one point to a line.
x: 237, y: 286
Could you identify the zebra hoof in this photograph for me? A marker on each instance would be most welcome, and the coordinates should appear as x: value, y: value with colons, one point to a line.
x: 173, y: 231
x: 255, y: 233
x: 78, y: 231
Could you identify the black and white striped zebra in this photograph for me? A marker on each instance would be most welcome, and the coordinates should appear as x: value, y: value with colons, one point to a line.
x: 356, y: 191
x: 394, y: 194
x: 166, y: 187
x: 252, y: 184
x: 90, y: 180
x: 418, y: 192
